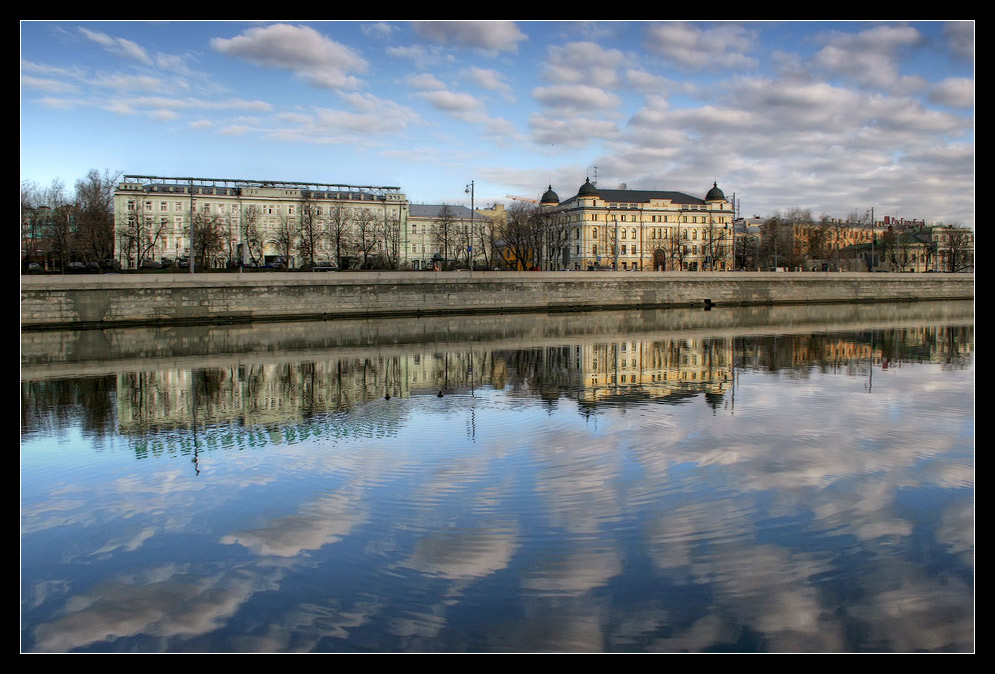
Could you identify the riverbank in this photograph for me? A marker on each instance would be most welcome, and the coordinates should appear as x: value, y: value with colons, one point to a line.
x: 86, y: 302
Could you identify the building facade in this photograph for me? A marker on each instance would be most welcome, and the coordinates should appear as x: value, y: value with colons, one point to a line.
x: 441, y: 236
x: 251, y: 222
x: 644, y: 230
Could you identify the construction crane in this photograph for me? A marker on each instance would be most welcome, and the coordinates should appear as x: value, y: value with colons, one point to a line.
x: 516, y: 198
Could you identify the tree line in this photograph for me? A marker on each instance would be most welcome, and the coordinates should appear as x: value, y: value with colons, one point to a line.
x: 59, y: 226
x: 796, y: 239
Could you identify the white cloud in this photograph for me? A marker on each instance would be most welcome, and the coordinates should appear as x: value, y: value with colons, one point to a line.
x: 452, y: 102
x: 488, y: 79
x: 957, y: 92
x: 369, y: 118
x: 690, y: 46
x: 425, y: 82
x: 379, y: 29
x: 489, y: 36
x: 574, y: 132
x: 49, y: 85
x: 117, y: 45
x: 584, y: 62
x: 132, y: 83
x: 576, y: 97
x: 960, y: 36
x: 301, y: 49
x: 163, y: 115
x: 646, y: 82
x: 870, y: 57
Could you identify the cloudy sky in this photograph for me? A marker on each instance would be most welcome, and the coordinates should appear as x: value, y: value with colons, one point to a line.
x: 832, y: 117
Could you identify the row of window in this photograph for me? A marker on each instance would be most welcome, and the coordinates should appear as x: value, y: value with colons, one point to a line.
x: 180, y: 207
x: 655, y: 233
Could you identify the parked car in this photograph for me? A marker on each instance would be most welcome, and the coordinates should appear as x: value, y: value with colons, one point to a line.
x: 75, y: 268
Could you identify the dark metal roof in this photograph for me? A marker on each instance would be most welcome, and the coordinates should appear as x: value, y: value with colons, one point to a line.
x: 715, y: 193
x: 434, y: 210
x: 550, y: 198
x: 639, y: 196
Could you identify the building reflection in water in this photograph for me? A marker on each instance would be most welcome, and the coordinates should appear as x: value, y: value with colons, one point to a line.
x: 236, y: 400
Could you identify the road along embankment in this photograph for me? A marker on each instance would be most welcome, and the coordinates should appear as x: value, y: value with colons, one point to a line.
x: 118, y: 300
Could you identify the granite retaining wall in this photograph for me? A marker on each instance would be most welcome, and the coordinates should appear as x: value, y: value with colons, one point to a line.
x: 181, y: 299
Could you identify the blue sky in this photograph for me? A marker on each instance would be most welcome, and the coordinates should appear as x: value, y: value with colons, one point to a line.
x: 834, y: 117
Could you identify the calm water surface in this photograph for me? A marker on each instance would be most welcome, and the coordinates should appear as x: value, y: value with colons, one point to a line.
x: 775, y: 479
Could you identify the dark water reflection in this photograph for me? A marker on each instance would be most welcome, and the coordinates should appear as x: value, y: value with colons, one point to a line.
x: 773, y: 479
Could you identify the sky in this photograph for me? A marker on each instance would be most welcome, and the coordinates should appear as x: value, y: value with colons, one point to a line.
x: 833, y: 117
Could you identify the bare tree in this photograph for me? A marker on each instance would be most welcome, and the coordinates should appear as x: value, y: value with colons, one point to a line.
x: 553, y: 236
x: 778, y: 245
x: 390, y: 240
x: 747, y: 251
x: 210, y: 234
x: 286, y: 237
x: 956, y: 249
x: 139, y: 235
x: 340, y: 235
x: 95, y: 214
x: 518, y: 238
x: 485, y: 241
x: 445, y: 235
x: 365, y: 223
x: 252, y: 241
x: 894, y: 249
x: 310, y: 231
x: 718, y: 245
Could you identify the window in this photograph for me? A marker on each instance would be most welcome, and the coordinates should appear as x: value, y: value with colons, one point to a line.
x: 163, y: 206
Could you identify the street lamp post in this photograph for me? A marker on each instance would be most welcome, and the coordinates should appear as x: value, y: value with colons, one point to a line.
x: 470, y: 190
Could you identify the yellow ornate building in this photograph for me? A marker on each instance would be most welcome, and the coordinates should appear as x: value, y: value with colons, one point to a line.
x: 645, y: 230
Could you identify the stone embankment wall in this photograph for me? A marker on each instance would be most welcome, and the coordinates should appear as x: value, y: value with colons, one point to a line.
x: 178, y: 299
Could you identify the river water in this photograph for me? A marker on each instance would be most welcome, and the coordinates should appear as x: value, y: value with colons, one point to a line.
x: 778, y: 479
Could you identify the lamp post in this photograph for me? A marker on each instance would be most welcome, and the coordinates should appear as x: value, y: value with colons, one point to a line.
x: 872, y: 239
x: 470, y: 190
